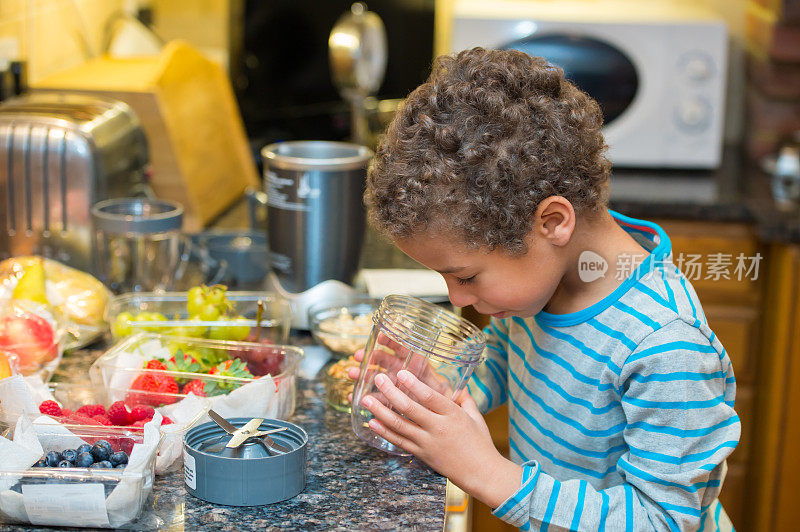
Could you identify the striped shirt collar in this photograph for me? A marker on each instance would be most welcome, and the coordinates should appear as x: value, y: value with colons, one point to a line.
x: 662, y: 249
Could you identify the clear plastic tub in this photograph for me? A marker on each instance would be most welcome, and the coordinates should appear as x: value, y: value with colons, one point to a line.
x: 275, y: 322
x: 74, y: 496
x: 439, y: 347
x: 119, y: 368
x: 30, y: 332
x: 343, y: 326
x: 73, y: 396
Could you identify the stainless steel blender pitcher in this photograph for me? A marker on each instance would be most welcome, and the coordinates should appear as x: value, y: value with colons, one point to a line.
x: 315, y: 215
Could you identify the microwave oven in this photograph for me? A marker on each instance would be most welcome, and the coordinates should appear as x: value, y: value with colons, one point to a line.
x: 656, y: 69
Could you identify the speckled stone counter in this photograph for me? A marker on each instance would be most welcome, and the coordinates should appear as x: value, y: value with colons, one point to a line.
x: 349, y: 485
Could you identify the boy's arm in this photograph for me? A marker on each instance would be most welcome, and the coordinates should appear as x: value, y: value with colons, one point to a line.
x: 488, y: 383
x: 677, y: 391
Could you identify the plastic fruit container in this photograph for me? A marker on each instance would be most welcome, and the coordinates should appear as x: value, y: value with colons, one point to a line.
x: 275, y: 322
x: 73, y: 396
x: 119, y: 368
x: 74, y: 496
x: 31, y: 333
x: 343, y: 326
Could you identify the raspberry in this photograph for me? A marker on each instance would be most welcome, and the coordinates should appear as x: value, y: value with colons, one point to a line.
x: 155, y: 364
x: 80, y: 419
x: 166, y: 421
x: 66, y: 412
x: 92, y: 410
x: 125, y: 444
x: 140, y: 423
x: 142, y: 412
x: 103, y: 420
x: 118, y: 413
x: 50, y: 408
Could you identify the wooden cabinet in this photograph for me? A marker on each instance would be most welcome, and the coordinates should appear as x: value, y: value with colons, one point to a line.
x: 733, y: 308
x: 774, y: 478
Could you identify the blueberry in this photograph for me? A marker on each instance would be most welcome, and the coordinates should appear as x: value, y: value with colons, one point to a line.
x: 104, y: 443
x: 52, y: 458
x: 119, y: 458
x: 84, y: 459
x: 120, y: 466
x: 40, y: 463
x: 85, y: 448
x: 99, y: 452
x: 97, y: 465
x: 69, y: 454
x: 107, y: 464
x: 65, y: 463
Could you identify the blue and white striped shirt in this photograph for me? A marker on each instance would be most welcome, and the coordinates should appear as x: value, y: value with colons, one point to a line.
x: 622, y: 413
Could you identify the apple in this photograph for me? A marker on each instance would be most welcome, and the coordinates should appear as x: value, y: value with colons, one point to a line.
x: 30, y: 337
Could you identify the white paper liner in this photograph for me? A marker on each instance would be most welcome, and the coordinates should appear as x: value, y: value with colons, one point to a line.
x: 124, y: 502
x: 22, y: 395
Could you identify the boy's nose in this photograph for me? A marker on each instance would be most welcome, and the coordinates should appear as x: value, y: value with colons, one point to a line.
x: 460, y: 296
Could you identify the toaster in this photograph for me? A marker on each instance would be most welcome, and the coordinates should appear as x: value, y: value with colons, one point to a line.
x: 60, y: 154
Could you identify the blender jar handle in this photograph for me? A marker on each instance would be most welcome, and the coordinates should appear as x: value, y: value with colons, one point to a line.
x: 256, y: 200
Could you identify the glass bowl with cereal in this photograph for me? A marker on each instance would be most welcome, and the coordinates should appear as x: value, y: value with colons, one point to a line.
x: 342, y: 326
x: 338, y: 386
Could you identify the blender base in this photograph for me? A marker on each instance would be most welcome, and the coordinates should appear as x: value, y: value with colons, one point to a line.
x: 301, y: 301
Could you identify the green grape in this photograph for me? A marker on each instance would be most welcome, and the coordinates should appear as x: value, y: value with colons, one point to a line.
x: 195, y: 300
x: 239, y: 332
x: 209, y: 312
x: 216, y: 296
x: 219, y: 333
x: 122, y: 324
x: 156, y: 316
x: 196, y: 331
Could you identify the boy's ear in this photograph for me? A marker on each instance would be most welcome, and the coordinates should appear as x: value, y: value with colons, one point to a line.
x: 555, y: 220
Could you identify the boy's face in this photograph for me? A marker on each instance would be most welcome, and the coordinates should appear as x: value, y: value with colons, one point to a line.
x: 494, y: 283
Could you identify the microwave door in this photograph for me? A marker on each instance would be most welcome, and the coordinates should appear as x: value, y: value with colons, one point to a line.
x: 598, y: 68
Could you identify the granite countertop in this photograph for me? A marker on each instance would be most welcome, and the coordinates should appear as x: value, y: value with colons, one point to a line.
x: 349, y: 485
x: 738, y: 191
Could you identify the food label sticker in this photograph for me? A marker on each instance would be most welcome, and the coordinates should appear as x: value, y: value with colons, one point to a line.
x: 65, y: 504
x: 189, y: 475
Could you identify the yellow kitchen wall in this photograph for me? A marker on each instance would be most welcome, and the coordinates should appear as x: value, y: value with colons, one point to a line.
x: 53, y: 35
x: 203, y: 23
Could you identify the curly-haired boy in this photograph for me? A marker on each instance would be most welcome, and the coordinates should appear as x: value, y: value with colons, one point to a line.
x: 620, y: 396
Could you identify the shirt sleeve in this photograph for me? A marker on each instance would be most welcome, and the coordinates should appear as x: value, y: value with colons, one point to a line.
x: 488, y: 384
x: 677, y: 390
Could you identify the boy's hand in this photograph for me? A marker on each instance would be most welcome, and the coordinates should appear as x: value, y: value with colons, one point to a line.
x: 450, y: 436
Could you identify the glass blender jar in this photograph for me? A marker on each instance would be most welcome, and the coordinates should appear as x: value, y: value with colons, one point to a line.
x: 437, y: 346
x: 138, y: 244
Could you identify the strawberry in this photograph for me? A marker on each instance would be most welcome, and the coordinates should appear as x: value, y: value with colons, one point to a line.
x: 50, y: 408
x: 154, y: 390
x: 140, y: 412
x: 229, y: 368
x: 196, y: 387
x: 155, y: 364
x: 183, y: 363
x: 103, y: 420
x: 118, y: 413
x: 166, y: 421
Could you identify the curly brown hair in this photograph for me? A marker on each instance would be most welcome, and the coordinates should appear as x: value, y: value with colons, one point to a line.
x: 480, y: 144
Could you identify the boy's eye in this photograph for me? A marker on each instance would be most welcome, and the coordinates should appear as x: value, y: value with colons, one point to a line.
x: 465, y: 281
